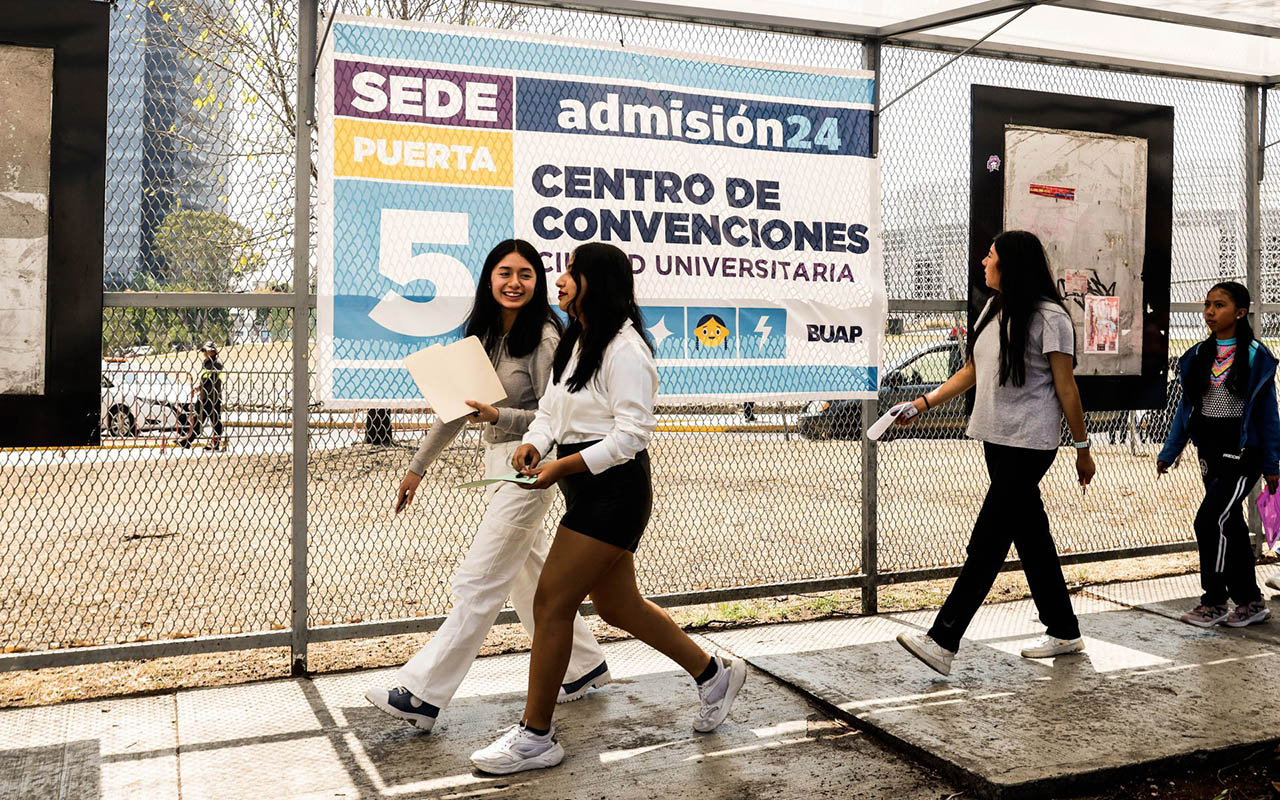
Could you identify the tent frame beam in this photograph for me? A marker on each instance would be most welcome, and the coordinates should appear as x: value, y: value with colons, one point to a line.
x: 1172, y: 17
x: 954, y: 16
x: 1024, y: 9
x: 914, y: 33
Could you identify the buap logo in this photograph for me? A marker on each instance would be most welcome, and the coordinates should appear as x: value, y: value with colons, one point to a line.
x: 834, y: 333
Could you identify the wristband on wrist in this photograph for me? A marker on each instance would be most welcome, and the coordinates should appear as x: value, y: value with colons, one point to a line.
x: 927, y: 405
x: 1080, y: 445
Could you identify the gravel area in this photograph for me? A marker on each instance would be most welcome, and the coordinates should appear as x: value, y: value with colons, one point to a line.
x: 133, y: 550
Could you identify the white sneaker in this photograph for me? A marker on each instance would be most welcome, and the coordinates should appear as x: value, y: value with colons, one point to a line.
x: 716, y: 695
x: 517, y: 750
x: 1050, y: 646
x: 927, y: 650
x: 1274, y: 581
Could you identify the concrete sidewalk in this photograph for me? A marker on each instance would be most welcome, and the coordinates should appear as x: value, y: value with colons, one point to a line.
x: 831, y: 709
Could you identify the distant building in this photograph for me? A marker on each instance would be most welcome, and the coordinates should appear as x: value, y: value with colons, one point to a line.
x: 150, y: 172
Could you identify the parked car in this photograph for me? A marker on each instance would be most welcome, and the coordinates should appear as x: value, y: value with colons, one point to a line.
x: 919, y: 372
x: 135, y: 400
x: 922, y: 371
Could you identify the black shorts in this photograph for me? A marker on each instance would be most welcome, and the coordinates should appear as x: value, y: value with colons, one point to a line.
x: 613, y: 506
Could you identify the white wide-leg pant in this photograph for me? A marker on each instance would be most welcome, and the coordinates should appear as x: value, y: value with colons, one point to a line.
x: 505, y: 558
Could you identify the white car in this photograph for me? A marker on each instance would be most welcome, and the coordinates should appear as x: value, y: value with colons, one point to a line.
x: 136, y: 400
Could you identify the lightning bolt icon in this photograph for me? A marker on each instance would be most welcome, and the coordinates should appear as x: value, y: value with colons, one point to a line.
x: 762, y: 328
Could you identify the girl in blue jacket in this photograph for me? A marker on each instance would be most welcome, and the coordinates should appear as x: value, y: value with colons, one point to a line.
x: 1228, y: 410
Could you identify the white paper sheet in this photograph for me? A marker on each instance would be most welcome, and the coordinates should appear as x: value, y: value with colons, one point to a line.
x: 449, y: 375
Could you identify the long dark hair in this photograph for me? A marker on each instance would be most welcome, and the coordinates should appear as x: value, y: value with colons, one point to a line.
x: 485, y: 321
x: 607, y: 299
x: 1025, y: 282
x: 1238, y: 378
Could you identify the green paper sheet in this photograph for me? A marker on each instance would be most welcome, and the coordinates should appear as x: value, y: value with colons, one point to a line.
x: 513, y: 477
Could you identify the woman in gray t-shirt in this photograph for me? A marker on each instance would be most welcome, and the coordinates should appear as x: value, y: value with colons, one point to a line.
x: 513, y: 318
x: 1020, y: 366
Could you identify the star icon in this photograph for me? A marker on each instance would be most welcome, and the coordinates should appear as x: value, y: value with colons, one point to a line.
x: 660, y: 331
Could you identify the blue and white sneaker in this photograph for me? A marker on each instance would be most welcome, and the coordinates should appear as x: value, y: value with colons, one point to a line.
x: 401, y: 704
x: 592, y: 680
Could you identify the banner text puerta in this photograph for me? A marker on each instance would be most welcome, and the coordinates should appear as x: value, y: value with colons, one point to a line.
x: 744, y: 194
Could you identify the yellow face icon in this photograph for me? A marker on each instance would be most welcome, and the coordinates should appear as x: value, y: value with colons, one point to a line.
x: 711, y: 331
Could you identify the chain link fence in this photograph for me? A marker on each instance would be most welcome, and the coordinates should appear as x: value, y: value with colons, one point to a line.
x: 143, y: 540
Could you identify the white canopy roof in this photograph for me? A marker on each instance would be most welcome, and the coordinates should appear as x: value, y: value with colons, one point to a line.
x: 1230, y: 39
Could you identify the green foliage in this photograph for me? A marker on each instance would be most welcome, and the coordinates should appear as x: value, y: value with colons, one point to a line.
x: 206, y: 250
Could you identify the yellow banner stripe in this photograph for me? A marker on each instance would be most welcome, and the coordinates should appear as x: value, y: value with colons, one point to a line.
x: 394, y: 151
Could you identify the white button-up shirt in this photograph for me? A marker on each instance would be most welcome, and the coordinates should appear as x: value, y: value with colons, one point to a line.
x: 616, y: 405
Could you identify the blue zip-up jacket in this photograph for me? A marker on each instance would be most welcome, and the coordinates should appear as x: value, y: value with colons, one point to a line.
x: 1260, y: 425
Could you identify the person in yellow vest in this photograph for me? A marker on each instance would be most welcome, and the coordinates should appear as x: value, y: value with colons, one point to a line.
x: 207, y: 394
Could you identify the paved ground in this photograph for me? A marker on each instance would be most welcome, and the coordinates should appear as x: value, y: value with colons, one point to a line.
x: 831, y: 709
x: 318, y: 738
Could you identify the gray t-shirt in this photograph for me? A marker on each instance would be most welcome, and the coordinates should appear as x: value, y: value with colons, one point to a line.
x: 524, y: 380
x: 1030, y: 415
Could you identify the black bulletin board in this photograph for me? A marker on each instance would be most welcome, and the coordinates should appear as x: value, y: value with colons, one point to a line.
x: 77, y: 32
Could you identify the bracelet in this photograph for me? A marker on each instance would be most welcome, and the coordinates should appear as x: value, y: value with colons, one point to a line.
x: 927, y: 405
x: 1080, y: 445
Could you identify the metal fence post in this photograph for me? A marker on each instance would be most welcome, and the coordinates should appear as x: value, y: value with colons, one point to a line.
x: 303, y: 116
x: 1253, y: 252
x: 870, y: 488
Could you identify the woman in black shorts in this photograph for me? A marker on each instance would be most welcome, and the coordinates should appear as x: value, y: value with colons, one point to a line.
x: 598, y: 410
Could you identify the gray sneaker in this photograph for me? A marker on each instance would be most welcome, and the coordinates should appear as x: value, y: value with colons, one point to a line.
x: 1248, y: 614
x: 1203, y: 616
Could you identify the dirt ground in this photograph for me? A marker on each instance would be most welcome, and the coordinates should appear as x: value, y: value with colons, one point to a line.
x: 1253, y: 776
x: 134, y: 550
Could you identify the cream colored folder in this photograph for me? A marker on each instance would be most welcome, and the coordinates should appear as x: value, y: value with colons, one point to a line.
x: 449, y: 375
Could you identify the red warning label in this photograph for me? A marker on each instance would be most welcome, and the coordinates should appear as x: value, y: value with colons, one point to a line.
x: 1060, y: 192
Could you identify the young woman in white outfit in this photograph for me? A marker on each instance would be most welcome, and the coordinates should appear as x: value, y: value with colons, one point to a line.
x: 598, y: 411
x: 513, y: 318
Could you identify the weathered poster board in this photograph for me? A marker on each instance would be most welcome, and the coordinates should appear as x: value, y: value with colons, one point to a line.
x: 1093, y: 179
x: 26, y: 100
x: 1085, y: 195
x: 53, y: 90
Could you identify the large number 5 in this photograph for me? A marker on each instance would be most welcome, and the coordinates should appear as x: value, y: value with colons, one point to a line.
x: 454, y: 287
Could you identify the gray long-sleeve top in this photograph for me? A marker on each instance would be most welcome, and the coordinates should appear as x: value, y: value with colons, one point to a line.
x: 524, y: 379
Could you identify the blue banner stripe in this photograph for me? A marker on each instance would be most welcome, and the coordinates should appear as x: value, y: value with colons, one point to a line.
x: 636, y: 112
x: 365, y: 383
x: 806, y: 379
x: 506, y: 54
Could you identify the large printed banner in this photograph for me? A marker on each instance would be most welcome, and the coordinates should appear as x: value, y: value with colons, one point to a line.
x: 744, y: 194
